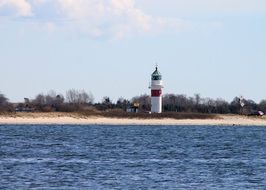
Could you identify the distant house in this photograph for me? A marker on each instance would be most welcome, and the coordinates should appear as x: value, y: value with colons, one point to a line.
x: 134, y: 108
x: 256, y: 113
x: 24, y: 107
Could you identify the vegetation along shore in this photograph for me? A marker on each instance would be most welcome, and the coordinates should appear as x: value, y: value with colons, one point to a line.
x: 78, y: 107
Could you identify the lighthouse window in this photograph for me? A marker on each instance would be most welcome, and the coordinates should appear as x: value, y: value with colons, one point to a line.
x: 158, y: 77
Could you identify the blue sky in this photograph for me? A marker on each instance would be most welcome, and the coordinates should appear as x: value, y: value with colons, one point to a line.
x: 109, y: 47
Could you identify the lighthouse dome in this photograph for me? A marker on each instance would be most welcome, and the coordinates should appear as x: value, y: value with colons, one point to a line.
x: 156, y: 75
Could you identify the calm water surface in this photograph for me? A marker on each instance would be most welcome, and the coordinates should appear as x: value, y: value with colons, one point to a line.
x: 132, y: 157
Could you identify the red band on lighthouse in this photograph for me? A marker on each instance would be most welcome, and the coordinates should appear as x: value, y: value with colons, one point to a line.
x: 156, y: 93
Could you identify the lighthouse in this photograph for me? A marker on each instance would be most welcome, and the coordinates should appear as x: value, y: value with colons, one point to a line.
x: 156, y: 91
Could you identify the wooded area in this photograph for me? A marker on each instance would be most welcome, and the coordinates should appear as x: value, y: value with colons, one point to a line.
x: 81, y: 101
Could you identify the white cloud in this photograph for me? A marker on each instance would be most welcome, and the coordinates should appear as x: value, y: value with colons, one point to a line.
x: 80, y: 9
x: 206, y: 7
x: 117, y: 18
x: 22, y: 7
x: 102, y: 18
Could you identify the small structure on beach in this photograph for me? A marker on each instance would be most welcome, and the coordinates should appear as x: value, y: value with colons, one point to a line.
x: 24, y: 107
x: 156, y: 91
x: 134, y: 108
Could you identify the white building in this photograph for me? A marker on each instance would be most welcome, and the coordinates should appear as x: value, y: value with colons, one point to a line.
x: 156, y: 91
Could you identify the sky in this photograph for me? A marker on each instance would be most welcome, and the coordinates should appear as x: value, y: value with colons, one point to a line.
x: 216, y: 48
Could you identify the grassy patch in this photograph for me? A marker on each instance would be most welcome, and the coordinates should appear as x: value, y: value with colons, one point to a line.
x: 111, y: 114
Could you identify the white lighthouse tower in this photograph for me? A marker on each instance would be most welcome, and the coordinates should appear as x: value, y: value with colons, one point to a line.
x: 156, y: 91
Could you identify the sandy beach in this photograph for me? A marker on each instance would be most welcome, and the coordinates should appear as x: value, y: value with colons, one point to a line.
x: 72, y: 119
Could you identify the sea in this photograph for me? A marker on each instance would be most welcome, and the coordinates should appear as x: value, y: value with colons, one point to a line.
x: 132, y: 157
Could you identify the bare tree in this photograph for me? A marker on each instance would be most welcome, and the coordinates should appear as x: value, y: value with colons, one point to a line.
x: 178, y: 103
x: 4, y: 104
x: 235, y: 106
x: 71, y: 96
x: 208, y: 105
x: 39, y: 100
x: 170, y: 102
x: 222, y: 106
x: 262, y: 106
x: 3, y: 100
x: 79, y: 97
x: 122, y: 103
x: 144, y: 102
x: 50, y: 98
x: 84, y: 97
x: 49, y: 102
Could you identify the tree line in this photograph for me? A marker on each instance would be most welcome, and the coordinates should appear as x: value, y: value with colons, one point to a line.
x: 80, y: 100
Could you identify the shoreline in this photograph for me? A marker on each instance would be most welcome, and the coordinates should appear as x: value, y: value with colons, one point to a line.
x: 72, y: 119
